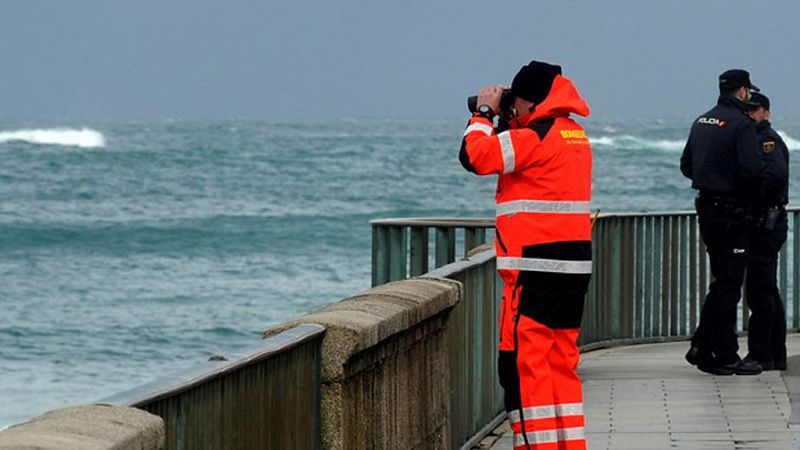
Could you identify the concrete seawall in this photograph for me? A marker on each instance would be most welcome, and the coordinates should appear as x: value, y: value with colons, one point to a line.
x: 385, y: 376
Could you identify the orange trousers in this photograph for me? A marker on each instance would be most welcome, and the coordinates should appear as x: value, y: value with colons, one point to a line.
x: 538, y: 372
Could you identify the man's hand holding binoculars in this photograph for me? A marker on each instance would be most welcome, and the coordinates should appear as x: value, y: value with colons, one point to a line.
x: 490, y: 95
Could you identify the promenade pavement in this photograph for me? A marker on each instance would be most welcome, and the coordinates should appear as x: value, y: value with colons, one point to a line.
x: 648, y: 397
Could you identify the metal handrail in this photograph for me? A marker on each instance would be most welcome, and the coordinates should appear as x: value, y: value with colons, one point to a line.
x: 253, y: 389
x: 467, y: 222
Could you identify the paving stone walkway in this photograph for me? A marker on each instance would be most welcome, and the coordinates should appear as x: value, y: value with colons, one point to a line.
x: 648, y: 397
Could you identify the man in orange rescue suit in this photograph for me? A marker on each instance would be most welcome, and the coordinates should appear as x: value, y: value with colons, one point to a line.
x: 543, y: 243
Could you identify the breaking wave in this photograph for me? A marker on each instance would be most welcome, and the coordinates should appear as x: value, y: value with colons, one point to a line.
x: 791, y: 143
x: 630, y: 142
x: 84, y: 137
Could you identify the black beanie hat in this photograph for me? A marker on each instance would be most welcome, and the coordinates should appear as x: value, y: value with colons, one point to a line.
x: 533, y: 82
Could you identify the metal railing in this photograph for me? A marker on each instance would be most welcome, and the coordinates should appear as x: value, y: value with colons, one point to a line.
x: 403, y: 247
x: 650, y: 277
x: 651, y: 274
x: 650, y: 269
x: 267, y: 396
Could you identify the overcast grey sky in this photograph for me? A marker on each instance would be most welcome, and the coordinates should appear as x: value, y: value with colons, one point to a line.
x: 194, y: 59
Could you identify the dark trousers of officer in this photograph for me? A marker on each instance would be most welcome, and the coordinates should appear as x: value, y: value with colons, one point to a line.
x: 726, y: 231
x: 766, y: 336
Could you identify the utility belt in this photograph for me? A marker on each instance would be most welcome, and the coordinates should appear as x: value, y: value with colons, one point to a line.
x: 705, y: 199
x: 765, y: 217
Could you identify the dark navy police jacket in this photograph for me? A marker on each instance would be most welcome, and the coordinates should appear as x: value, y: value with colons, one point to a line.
x: 722, y: 154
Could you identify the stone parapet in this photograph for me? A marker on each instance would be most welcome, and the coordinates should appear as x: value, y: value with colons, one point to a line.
x: 385, y: 373
x: 91, y: 427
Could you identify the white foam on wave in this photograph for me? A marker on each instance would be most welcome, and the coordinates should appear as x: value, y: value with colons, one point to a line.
x: 609, y: 129
x: 606, y: 141
x: 630, y: 142
x: 791, y: 143
x: 84, y: 137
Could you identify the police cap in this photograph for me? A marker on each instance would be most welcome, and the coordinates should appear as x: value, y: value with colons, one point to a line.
x: 758, y: 100
x: 733, y: 79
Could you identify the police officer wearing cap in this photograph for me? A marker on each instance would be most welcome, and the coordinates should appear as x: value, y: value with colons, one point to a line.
x: 722, y: 159
x: 766, y: 335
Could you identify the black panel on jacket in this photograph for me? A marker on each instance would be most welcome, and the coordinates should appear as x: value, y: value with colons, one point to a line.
x: 542, y: 127
x: 567, y: 250
x: 555, y: 299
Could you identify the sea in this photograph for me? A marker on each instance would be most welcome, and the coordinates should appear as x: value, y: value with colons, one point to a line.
x: 131, y: 250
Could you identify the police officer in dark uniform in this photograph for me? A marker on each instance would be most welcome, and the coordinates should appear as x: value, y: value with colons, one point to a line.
x: 766, y: 336
x: 722, y: 159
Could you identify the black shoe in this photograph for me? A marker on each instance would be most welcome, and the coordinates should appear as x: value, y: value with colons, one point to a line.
x: 746, y: 366
x: 765, y: 366
x: 778, y: 365
x: 716, y: 370
x: 697, y: 356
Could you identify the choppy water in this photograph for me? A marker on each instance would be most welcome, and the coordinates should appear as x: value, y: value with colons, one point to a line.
x: 129, y: 250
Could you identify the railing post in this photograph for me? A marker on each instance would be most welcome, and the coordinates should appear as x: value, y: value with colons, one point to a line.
x: 683, y: 297
x: 419, y: 251
x: 658, y: 259
x: 639, y: 292
x: 783, y: 274
x: 398, y: 256
x: 674, y: 310
x: 796, y: 269
x: 600, y: 326
x: 703, y: 283
x: 445, y: 245
x: 480, y: 236
x: 469, y: 240
x: 627, y: 292
x: 649, y: 275
x: 693, y: 288
x: 473, y: 237
x: 616, y: 265
x: 588, y: 310
x: 380, y: 255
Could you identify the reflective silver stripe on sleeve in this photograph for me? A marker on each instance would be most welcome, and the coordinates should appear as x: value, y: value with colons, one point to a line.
x: 544, y: 265
x: 550, y: 436
x: 547, y: 412
x: 508, y: 151
x: 479, y: 127
x: 541, y: 206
